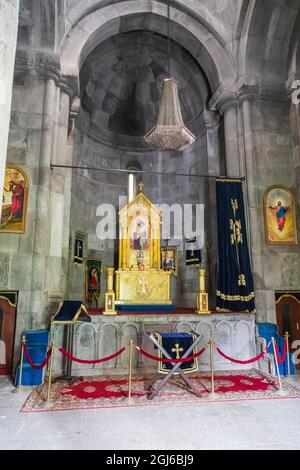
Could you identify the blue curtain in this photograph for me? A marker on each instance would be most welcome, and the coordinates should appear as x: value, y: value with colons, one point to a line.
x: 234, y: 277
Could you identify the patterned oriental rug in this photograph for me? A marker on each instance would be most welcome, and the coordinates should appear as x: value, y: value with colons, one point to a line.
x: 108, y: 391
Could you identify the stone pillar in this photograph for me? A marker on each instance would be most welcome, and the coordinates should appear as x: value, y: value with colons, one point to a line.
x: 264, y: 299
x: 231, y: 128
x: 214, y: 163
x: 41, y: 235
x: 9, y: 10
x: 295, y: 130
x: 58, y: 216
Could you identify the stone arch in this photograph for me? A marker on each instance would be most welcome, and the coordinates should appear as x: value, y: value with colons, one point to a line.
x: 185, y: 326
x: 203, y: 40
x: 223, y: 336
x: 265, y: 41
x: 244, y: 339
x: 85, y: 346
x: 107, y: 344
x: 129, y: 331
x: 294, y: 56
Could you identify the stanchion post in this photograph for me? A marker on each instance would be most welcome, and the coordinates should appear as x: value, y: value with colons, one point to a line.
x: 129, y: 399
x: 212, y: 394
x: 280, y: 391
x: 19, y: 386
x: 288, y: 353
x: 47, y: 403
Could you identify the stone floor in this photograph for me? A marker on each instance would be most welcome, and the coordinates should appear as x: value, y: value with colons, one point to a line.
x: 268, y: 424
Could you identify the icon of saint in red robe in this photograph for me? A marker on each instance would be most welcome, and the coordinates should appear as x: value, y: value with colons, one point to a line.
x: 17, y: 200
x: 94, y: 282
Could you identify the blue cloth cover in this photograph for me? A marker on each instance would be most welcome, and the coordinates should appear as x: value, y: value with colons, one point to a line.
x: 266, y: 331
x: 37, y: 346
x: 169, y: 342
x: 69, y: 310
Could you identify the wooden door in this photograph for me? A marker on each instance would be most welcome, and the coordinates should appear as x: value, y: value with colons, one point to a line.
x: 288, y: 317
x: 8, y: 310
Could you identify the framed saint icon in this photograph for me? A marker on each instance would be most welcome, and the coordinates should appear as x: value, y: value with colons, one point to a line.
x: 280, y: 216
x: 14, y: 205
x: 92, y: 281
x: 169, y: 259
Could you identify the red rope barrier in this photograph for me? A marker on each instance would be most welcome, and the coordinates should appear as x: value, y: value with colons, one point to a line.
x: 283, y: 357
x: 249, y: 361
x: 160, y: 359
x: 33, y: 365
x: 97, y: 361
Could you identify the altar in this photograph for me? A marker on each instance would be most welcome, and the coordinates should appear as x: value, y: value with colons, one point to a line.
x: 233, y: 332
x: 138, y: 301
x: 139, y: 279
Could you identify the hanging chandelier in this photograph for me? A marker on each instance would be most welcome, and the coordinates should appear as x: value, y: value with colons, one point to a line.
x: 170, y: 132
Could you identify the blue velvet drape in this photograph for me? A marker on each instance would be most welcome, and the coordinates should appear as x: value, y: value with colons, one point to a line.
x: 234, y: 277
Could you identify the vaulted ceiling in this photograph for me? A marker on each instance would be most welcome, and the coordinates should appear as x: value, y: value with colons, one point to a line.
x: 117, y: 50
x: 120, y: 82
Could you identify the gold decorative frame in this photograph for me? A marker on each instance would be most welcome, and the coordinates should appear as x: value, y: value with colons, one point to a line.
x: 291, y: 218
x: 174, y: 257
x: 7, y: 228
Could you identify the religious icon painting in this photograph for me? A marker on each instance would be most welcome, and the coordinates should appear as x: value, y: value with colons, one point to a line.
x: 169, y: 259
x: 192, y: 252
x: 14, y: 204
x: 78, y: 249
x: 280, y: 216
x: 92, y: 282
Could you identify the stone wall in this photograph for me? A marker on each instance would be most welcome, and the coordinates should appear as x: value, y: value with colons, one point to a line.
x: 92, y: 188
x: 23, y: 151
x: 269, y: 161
x: 244, y: 54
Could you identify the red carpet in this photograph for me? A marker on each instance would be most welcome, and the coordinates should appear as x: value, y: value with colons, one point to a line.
x: 108, y: 391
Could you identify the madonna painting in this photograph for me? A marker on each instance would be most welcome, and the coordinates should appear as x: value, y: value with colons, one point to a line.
x: 14, y: 201
x: 280, y: 216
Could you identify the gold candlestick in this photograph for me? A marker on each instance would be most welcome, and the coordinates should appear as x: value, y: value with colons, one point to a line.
x: 212, y: 393
x: 129, y: 399
x: 110, y: 294
x: 202, y: 296
x: 47, y: 403
x: 288, y: 353
x: 280, y: 391
x: 19, y: 386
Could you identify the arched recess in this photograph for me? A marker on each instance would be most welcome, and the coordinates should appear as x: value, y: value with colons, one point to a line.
x: 294, y: 57
x: 265, y: 41
x: 200, y: 35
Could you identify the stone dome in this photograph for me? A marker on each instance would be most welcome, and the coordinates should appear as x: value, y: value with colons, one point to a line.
x: 121, y: 80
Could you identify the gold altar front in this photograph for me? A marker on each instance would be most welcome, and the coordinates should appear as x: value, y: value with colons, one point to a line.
x: 149, y: 287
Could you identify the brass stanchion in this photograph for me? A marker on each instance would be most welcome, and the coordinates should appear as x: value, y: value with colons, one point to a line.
x: 280, y: 391
x: 19, y: 386
x: 129, y: 399
x: 212, y: 393
x: 288, y: 353
x: 47, y: 403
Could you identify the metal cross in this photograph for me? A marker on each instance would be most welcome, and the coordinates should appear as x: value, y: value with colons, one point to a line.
x: 177, y: 349
x: 141, y: 186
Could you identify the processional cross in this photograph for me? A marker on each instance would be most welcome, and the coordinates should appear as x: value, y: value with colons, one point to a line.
x: 177, y: 350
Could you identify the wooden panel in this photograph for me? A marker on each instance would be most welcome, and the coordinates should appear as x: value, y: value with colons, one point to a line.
x: 7, y: 332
